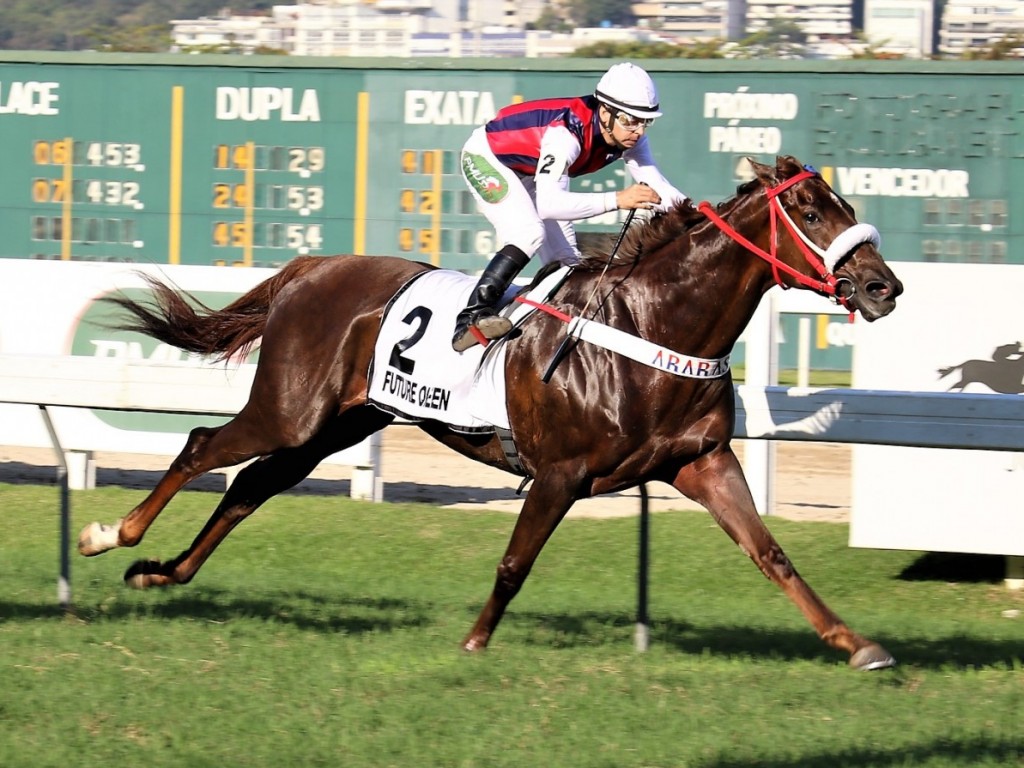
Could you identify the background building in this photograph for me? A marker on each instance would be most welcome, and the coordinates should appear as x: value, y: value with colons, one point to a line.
x: 456, y: 28
x: 977, y: 24
x: 403, y: 28
x: 822, y: 19
x: 900, y: 27
x: 687, y: 20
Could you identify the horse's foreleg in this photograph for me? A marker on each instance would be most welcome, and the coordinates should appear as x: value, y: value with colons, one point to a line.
x: 547, y: 501
x: 717, y: 482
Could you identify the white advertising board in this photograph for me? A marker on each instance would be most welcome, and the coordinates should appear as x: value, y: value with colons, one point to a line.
x: 43, y: 307
x: 957, y: 327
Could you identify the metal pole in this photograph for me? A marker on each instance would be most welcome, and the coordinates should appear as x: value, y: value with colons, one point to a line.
x: 642, y: 638
x: 803, y: 363
x: 64, y: 580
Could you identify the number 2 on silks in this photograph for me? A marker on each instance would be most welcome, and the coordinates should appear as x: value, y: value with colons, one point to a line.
x: 419, y: 316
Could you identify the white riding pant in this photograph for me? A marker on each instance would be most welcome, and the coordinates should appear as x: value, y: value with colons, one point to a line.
x: 514, y: 216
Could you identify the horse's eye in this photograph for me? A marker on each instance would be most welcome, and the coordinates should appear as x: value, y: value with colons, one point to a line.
x: 811, y: 218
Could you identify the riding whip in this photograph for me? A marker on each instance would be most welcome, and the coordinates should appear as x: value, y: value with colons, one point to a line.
x: 563, y: 348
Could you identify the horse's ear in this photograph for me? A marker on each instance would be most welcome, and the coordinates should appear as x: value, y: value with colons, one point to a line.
x: 765, y: 173
x: 787, y: 166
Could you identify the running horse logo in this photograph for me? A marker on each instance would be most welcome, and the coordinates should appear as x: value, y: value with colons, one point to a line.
x: 1004, y: 373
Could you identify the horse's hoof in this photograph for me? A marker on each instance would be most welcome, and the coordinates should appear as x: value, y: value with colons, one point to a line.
x: 871, y: 657
x: 95, y: 539
x: 144, y: 574
x: 473, y: 645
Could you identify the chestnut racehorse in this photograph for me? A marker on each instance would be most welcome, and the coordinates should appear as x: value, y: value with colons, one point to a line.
x: 688, y: 280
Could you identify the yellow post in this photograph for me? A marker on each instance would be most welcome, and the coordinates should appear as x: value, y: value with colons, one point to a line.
x: 362, y: 147
x: 174, y: 210
x: 65, y: 219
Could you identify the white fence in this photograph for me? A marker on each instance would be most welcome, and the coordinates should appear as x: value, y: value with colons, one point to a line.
x: 918, y: 419
x: 88, y: 382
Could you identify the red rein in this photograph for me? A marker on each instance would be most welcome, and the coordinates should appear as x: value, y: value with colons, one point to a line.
x: 827, y: 282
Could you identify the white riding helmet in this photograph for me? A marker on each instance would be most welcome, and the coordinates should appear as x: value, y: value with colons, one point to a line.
x: 628, y: 88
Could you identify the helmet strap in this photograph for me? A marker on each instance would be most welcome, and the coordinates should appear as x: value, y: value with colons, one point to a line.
x: 607, y: 125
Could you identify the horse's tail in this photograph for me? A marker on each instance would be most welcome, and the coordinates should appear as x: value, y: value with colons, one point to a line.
x: 179, y: 319
x: 948, y: 370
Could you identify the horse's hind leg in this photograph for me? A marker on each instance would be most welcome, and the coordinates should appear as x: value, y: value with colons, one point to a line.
x: 254, y: 485
x: 202, y: 453
x: 718, y: 484
x: 248, y: 435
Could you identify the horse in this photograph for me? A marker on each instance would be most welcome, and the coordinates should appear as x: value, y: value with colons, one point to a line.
x: 689, y: 279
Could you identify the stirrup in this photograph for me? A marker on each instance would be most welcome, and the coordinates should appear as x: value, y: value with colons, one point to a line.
x: 488, y: 327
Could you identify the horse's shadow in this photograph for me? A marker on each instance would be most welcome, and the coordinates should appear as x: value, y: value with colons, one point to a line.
x: 967, y: 751
x: 348, y: 615
x: 737, y: 641
x: 357, y: 615
x: 1004, y: 373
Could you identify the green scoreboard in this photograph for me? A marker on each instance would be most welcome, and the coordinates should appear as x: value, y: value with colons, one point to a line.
x: 249, y: 161
x: 161, y: 159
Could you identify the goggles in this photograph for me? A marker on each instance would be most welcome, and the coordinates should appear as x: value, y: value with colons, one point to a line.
x: 631, y: 122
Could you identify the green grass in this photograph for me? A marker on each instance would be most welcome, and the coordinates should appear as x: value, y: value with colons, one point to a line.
x: 325, y: 632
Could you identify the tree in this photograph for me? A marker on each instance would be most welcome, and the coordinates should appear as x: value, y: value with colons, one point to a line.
x: 596, y: 13
x: 710, y: 49
x: 704, y: 49
x: 551, y: 21
x: 151, y: 38
x: 231, y: 47
x: 780, y: 39
x: 112, y: 24
x: 1008, y: 47
x: 868, y: 49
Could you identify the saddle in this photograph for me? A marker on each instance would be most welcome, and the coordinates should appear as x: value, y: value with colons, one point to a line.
x: 417, y: 375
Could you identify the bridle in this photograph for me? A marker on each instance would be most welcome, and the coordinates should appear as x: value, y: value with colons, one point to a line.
x: 823, y: 261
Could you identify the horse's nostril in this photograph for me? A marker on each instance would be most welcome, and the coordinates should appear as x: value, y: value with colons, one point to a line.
x: 878, y: 289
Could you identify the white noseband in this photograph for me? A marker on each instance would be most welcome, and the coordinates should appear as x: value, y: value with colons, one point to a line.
x: 856, y: 235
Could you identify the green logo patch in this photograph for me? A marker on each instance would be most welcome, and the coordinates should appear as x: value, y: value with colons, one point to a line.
x: 483, y: 178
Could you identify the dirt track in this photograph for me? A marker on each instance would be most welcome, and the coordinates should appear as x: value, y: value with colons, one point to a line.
x: 813, y: 479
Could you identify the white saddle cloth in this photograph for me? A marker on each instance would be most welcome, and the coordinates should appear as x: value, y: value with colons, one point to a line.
x: 416, y: 374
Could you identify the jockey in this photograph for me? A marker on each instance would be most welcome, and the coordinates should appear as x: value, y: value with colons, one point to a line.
x: 518, y: 168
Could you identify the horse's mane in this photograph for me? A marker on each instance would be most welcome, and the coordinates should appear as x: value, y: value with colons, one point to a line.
x: 653, y: 233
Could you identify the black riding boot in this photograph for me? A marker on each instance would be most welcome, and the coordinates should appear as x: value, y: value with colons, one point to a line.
x: 493, y: 283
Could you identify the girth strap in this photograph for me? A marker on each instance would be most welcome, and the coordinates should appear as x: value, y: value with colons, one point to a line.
x: 508, y: 445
